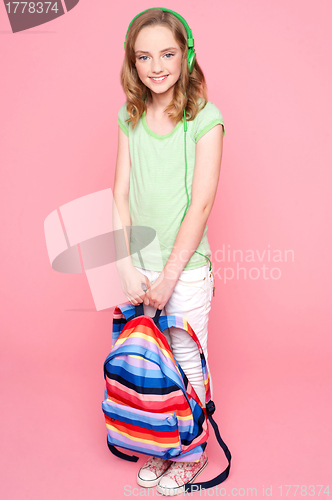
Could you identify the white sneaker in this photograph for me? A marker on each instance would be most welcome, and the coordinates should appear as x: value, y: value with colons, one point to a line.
x: 179, y: 475
x: 152, y: 471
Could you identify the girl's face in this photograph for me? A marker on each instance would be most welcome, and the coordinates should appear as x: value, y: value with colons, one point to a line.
x: 158, y: 59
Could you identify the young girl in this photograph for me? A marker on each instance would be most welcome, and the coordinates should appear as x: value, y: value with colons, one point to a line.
x: 165, y: 183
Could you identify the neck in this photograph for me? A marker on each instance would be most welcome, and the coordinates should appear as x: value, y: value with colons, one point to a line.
x: 160, y: 102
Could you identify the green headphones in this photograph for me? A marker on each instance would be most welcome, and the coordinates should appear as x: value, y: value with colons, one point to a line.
x: 190, y: 41
x: 191, y: 63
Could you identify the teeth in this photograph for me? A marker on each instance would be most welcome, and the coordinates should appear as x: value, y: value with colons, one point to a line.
x: 160, y: 78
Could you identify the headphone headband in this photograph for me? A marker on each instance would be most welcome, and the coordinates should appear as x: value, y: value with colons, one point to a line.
x: 190, y: 40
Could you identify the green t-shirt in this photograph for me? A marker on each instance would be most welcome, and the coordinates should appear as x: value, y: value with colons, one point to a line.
x: 157, y: 194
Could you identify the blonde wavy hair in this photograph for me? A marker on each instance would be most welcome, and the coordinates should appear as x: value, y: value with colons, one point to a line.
x: 193, y: 83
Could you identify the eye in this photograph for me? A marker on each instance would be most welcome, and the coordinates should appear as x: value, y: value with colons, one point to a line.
x: 169, y: 54
x: 142, y: 59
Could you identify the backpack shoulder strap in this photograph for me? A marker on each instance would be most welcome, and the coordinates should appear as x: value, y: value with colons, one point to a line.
x: 180, y: 322
x: 223, y: 475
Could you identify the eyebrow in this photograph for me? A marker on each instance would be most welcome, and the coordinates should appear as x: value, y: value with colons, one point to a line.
x: 145, y: 52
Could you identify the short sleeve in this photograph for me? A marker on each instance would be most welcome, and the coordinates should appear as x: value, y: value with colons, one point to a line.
x: 207, y: 118
x: 122, y: 117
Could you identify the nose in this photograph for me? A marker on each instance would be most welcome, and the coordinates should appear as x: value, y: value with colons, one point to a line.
x: 157, y: 66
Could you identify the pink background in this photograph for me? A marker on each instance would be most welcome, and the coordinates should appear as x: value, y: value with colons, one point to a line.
x: 267, y: 64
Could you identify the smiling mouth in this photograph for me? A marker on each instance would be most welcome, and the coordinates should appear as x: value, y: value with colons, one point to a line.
x: 159, y: 78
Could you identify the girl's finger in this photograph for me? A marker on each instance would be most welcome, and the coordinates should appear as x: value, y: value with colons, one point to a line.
x: 135, y: 301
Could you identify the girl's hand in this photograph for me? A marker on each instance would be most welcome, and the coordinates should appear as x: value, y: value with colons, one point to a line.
x: 132, y: 281
x: 159, y: 293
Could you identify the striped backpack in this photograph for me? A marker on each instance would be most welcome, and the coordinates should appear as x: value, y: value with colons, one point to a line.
x: 150, y: 406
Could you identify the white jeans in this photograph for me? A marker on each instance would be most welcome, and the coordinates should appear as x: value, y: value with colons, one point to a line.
x: 191, y: 298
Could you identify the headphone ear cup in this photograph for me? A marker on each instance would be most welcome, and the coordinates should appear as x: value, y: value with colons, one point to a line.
x: 191, y: 58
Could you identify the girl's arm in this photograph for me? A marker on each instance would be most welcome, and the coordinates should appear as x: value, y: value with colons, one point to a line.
x: 205, y: 182
x: 131, y: 279
x: 120, y: 209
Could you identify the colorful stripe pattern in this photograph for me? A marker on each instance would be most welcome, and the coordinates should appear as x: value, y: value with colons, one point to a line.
x: 150, y: 406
